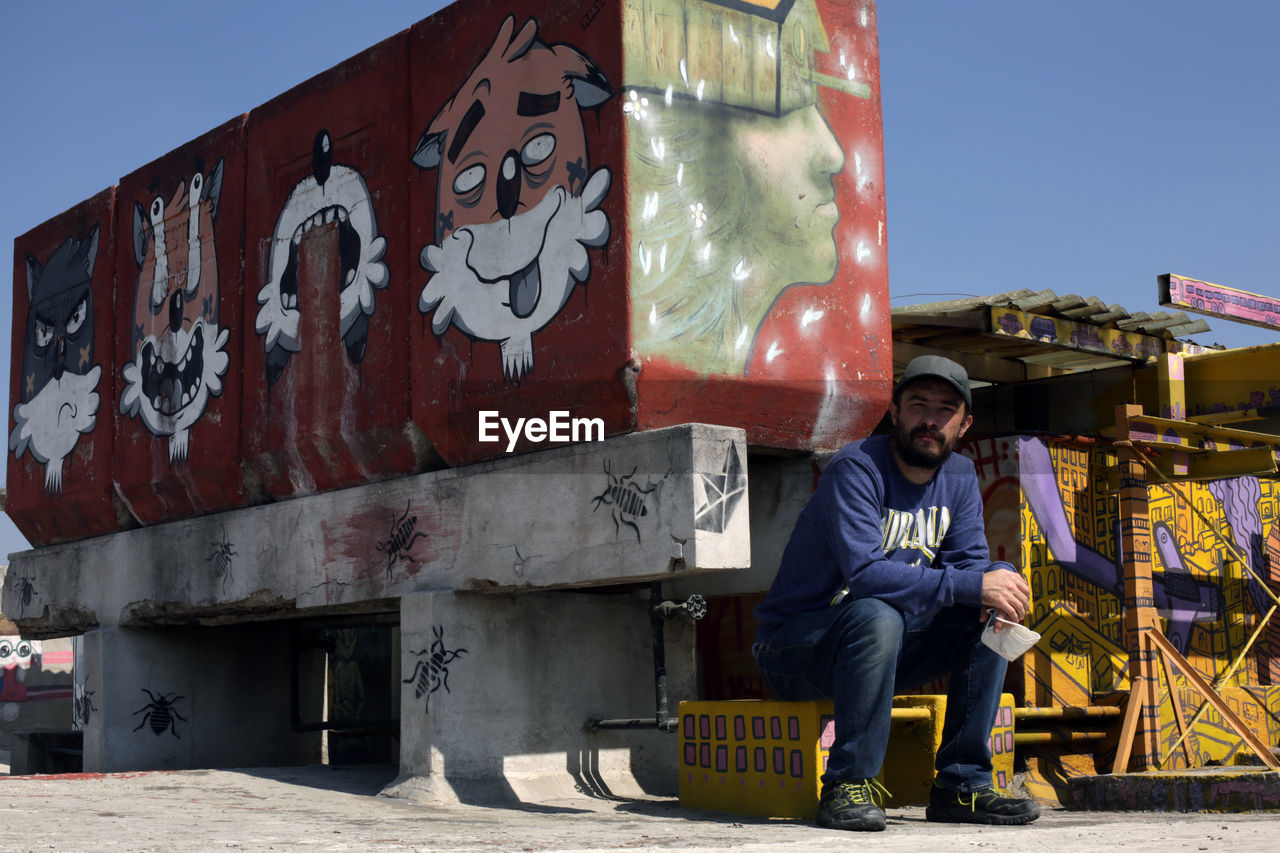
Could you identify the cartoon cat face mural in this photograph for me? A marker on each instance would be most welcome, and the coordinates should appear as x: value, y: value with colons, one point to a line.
x: 59, y: 402
x: 333, y: 192
x: 179, y: 354
x: 516, y: 204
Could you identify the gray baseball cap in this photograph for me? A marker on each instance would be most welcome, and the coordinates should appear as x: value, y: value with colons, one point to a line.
x: 939, y: 368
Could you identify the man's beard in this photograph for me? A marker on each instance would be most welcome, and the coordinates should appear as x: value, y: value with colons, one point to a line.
x: 916, y: 457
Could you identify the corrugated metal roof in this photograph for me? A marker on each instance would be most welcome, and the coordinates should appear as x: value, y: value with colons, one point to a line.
x: 1028, y: 334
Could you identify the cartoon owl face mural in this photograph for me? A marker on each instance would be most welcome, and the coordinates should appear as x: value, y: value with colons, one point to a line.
x: 59, y: 402
x: 517, y: 203
x: 179, y: 350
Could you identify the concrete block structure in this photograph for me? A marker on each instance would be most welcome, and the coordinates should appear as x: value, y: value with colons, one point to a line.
x: 411, y: 391
x: 503, y: 658
x: 498, y: 689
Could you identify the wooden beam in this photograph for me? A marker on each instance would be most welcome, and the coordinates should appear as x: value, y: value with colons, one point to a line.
x: 971, y: 318
x: 1216, y: 300
x: 981, y: 366
x: 1064, y: 334
x: 1257, y: 744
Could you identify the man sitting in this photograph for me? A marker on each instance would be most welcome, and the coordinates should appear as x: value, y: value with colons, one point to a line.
x: 884, y: 586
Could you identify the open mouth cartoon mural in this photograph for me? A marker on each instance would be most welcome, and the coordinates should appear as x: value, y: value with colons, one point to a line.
x: 58, y: 401
x: 179, y: 350
x: 332, y: 193
x: 517, y: 205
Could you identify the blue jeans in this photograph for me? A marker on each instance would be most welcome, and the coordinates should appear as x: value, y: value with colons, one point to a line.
x: 859, y: 652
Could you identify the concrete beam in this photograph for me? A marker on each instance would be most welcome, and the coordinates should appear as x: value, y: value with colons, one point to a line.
x: 644, y: 506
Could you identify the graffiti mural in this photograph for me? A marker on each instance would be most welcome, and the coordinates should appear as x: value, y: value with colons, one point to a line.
x: 179, y: 349
x: 221, y: 558
x: 16, y: 657
x: 719, y: 494
x: 161, y: 714
x: 332, y: 196
x: 400, y: 539
x: 82, y: 706
x: 627, y: 500
x: 517, y: 203
x: 732, y: 196
x: 431, y: 674
x: 35, y: 684
x: 58, y: 400
x: 1067, y: 543
x: 347, y: 696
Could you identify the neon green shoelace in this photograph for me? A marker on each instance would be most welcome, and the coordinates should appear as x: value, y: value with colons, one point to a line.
x: 867, y: 792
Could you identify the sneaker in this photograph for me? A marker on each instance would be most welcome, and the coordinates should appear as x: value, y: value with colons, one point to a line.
x: 853, y: 805
x: 985, y: 806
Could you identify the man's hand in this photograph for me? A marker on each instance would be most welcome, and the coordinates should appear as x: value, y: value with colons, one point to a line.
x: 1007, y: 593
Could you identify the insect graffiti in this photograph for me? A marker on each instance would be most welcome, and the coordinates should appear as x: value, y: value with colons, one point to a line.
x: 625, y: 498
x: 160, y: 713
x: 433, y: 673
x: 81, y: 706
x: 26, y: 591
x: 221, y: 559
x: 403, y: 535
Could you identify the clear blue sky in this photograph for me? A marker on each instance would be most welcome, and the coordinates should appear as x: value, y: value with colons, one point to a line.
x: 1083, y: 147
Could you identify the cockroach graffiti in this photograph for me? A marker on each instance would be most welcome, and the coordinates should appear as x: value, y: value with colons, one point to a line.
x: 431, y: 674
x: 160, y: 713
x: 82, y: 706
x: 404, y: 534
x: 625, y: 498
x: 221, y: 559
x: 26, y: 591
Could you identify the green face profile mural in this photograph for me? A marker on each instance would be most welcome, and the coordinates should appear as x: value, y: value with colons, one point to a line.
x: 733, y: 161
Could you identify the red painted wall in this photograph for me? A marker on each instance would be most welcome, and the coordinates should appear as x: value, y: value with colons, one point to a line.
x: 646, y: 214
x: 327, y: 295
x: 181, y: 333
x: 61, y: 376
x: 477, y: 354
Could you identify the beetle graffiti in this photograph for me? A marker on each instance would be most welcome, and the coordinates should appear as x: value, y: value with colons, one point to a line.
x: 221, y: 559
x: 161, y: 713
x: 431, y: 674
x: 403, y: 536
x: 625, y: 498
x: 82, y: 706
x: 26, y: 591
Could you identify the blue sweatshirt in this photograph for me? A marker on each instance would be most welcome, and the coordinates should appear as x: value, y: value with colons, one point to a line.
x: 873, y: 532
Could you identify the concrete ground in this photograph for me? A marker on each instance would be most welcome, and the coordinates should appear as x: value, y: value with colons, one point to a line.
x: 337, y: 809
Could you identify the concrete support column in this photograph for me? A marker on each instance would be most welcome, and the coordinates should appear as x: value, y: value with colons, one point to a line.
x: 497, y: 689
x: 180, y: 697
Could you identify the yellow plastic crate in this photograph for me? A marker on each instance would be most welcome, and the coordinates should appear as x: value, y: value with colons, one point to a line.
x: 765, y: 758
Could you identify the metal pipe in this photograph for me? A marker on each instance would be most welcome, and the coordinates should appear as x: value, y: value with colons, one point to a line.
x: 1067, y: 713
x: 1028, y: 738
x: 668, y: 725
x: 910, y: 715
x: 656, y: 622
